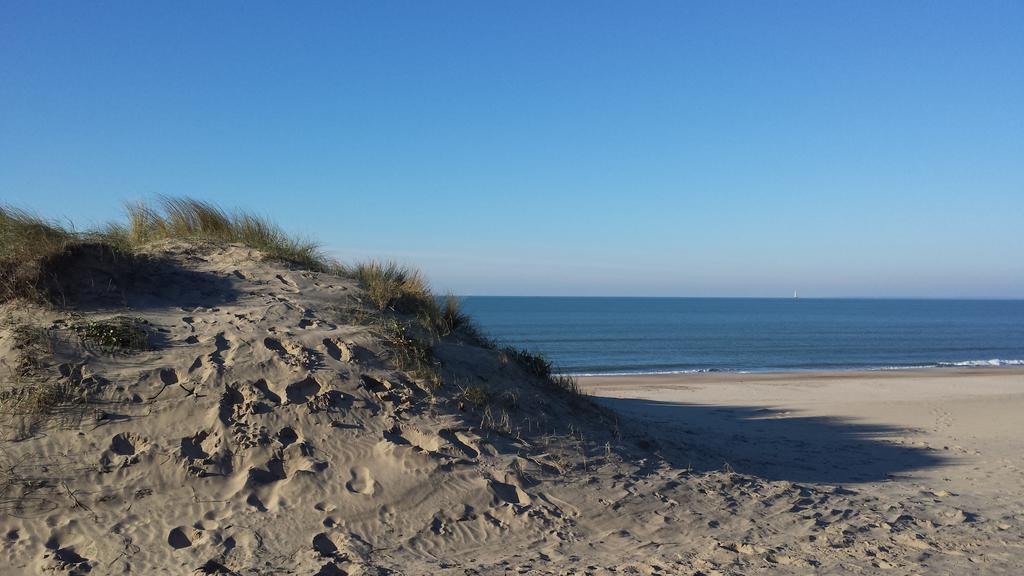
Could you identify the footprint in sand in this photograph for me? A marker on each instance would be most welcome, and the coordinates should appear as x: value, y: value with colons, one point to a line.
x: 337, y: 349
x: 362, y: 481
x: 300, y: 392
x: 168, y: 376
x: 289, y: 283
x: 510, y: 493
x: 178, y: 538
x: 287, y: 436
x: 329, y: 544
x: 127, y: 444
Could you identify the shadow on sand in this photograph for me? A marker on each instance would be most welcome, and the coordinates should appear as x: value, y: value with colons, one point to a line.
x: 95, y: 277
x: 775, y: 444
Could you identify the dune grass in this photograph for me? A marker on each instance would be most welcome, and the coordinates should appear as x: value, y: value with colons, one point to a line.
x: 452, y: 319
x: 27, y: 389
x: 27, y: 243
x: 539, y: 366
x: 390, y: 286
x: 38, y: 398
x: 25, y: 236
x: 188, y: 219
x: 31, y: 248
x: 410, y: 354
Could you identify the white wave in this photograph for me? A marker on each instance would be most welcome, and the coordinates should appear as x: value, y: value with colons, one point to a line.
x: 981, y: 363
x: 651, y: 372
x: 992, y: 363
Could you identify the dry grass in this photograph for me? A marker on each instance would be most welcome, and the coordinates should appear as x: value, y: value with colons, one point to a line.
x: 409, y: 354
x: 539, y: 366
x: 27, y: 244
x: 452, y: 320
x: 25, y: 236
x: 38, y: 398
x: 34, y: 252
x: 188, y: 219
x: 473, y: 396
x: 452, y: 317
x: 390, y: 286
x: 531, y: 362
x: 29, y: 389
x: 492, y: 407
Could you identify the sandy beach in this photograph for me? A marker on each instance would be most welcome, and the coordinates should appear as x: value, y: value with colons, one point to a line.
x: 952, y: 433
x: 960, y: 427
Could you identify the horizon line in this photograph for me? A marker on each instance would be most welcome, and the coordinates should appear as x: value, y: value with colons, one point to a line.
x: 961, y: 298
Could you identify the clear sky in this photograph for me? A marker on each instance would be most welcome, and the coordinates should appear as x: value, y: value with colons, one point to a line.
x: 841, y: 148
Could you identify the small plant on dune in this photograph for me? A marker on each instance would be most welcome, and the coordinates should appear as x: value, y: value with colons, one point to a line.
x: 452, y: 317
x: 492, y: 407
x: 188, y: 219
x: 118, y: 334
x: 532, y: 362
x: 567, y: 383
x: 409, y: 354
x: 29, y: 390
x: 473, y: 396
x: 30, y: 397
x: 478, y: 396
x: 496, y: 420
x: 31, y: 344
x: 390, y: 286
x: 542, y: 368
x: 447, y: 318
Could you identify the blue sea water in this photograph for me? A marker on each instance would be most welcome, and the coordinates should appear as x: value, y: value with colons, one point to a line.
x: 675, y: 335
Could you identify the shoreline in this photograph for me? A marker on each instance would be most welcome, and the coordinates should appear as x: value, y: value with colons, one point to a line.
x: 811, y: 373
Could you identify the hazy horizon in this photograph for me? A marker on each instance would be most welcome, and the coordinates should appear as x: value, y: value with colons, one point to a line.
x: 688, y: 150
x: 741, y: 297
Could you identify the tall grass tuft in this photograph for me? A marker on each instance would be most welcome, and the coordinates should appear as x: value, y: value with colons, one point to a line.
x: 532, y: 362
x: 188, y: 219
x: 390, y: 286
x: 452, y: 317
x: 27, y: 242
x: 542, y: 368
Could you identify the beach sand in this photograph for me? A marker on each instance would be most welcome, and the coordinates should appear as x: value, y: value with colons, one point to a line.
x: 953, y: 436
x: 812, y: 425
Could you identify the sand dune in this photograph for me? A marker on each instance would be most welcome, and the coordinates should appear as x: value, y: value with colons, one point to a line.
x: 266, y: 429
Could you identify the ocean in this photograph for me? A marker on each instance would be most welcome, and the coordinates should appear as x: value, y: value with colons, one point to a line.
x: 679, y: 335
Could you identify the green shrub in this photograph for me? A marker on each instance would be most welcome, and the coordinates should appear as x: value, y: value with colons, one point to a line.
x: 117, y: 334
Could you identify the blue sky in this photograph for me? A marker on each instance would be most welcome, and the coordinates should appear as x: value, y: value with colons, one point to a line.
x: 867, y: 148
